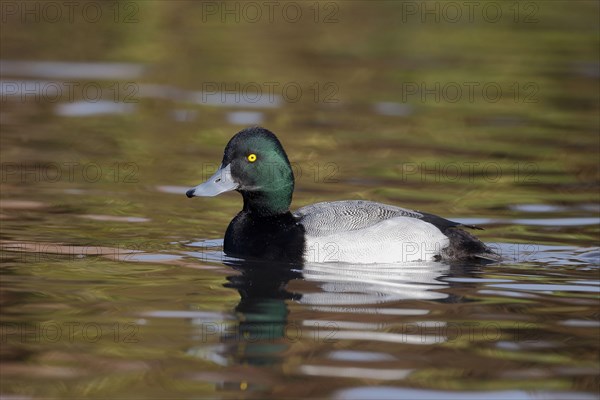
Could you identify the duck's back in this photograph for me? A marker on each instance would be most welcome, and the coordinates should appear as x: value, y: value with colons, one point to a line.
x: 322, y: 219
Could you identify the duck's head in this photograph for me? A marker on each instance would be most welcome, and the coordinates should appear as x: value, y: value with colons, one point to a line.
x: 254, y: 164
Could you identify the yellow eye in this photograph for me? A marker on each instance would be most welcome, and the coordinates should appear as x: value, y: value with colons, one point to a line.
x: 251, y: 157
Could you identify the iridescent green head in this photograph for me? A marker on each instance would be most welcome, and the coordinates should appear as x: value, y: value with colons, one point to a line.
x: 254, y: 164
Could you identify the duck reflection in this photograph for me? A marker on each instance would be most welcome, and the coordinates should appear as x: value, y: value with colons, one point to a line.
x: 318, y: 304
x: 263, y: 330
x: 262, y: 312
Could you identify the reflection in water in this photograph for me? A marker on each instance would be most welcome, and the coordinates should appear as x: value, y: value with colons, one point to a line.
x: 262, y: 331
x: 120, y: 98
x: 363, y: 284
x: 393, y: 109
x: 71, y: 70
x: 349, y: 303
x: 245, y: 117
x: 354, y: 321
x: 262, y: 311
x: 393, y: 393
x: 86, y: 108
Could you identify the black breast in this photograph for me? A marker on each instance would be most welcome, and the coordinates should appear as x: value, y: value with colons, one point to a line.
x: 277, y: 238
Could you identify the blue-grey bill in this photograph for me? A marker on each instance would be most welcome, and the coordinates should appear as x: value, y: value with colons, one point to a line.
x: 220, y: 182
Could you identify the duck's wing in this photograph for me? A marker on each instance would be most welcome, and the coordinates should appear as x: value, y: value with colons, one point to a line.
x: 322, y: 219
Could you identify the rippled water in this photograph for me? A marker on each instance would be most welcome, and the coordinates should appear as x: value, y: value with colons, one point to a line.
x: 114, y: 284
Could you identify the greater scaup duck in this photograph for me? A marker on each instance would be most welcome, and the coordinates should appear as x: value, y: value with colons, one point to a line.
x: 356, y: 231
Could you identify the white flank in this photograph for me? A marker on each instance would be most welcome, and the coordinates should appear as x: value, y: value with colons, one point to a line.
x: 398, y: 239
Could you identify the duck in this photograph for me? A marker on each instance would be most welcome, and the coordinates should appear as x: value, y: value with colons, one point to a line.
x: 348, y: 231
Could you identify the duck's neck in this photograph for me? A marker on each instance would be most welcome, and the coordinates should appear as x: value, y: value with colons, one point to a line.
x: 268, y: 203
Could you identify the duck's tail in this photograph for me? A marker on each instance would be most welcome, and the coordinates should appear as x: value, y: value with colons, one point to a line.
x: 464, y: 246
